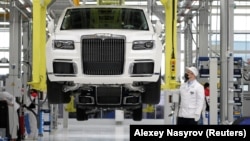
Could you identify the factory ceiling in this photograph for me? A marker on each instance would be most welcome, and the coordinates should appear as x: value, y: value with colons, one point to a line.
x: 186, y: 8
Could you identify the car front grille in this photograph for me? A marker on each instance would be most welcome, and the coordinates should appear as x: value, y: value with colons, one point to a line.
x: 103, y: 55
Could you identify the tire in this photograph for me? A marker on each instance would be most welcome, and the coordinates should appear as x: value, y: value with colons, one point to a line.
x: 81, y: 114
x: 152, y: 93
x: 137, y: 114
x: 55, y: 94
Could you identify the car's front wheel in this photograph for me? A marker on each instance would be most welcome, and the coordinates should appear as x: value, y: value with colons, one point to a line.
x: 55, y: 94
x: 81, y: 114
x: 152, y: 93
x: 137, y: 114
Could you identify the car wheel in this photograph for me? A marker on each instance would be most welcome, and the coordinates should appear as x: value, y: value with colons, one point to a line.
x: 81, y: 114
x: 137, y: 114
x: 55, y: 94
x: 152, y: 93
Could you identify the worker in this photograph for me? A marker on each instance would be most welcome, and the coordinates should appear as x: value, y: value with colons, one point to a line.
x: 205, y: 110
x: 191, y: 99
x: 10, y: 99
x: 30, y: 116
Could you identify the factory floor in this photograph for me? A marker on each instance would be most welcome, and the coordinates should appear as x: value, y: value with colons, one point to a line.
x: 93, y: 130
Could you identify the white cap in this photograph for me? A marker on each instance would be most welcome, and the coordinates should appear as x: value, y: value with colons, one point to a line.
x: 193, y: 70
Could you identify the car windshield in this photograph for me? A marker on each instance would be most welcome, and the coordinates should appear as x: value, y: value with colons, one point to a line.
x: 104, y: 18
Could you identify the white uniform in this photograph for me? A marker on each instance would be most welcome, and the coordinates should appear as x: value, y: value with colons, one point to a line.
x: 10, y: 99
x: 13, y: 106
x: 192, y: 100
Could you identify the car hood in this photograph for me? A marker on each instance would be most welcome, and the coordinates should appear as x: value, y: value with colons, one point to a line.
x: 130, y: 35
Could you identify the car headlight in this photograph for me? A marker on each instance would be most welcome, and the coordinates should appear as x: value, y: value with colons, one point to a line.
x: 64, y: 44
x: 143, y: 44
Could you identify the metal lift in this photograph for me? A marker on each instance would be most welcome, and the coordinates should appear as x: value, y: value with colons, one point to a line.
x: 38, y: 81
x: 170, y: 85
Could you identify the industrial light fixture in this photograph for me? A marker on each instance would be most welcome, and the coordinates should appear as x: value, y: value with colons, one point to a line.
x: 28, y: 9
x: 194, y: 3
x: 4, y: 60
x: 7, y: 9
x: 1, y: 10
x: 186, y: 11
x: 181, y: 18
x: 21, y: 1
x: 4, y: 23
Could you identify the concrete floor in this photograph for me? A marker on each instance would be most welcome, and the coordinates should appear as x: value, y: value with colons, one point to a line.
x: 94, y: 130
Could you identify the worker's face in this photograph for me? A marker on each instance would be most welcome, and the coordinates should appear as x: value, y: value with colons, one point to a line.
x: 186, y: 77
x: 190, y: 74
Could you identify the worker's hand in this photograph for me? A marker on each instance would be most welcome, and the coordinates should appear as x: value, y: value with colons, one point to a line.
x: 10, y: 104
x: 4, y: 98
x: 197, y: 117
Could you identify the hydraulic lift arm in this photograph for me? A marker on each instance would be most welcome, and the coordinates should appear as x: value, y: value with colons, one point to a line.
x: 170, y: 85
x: 39, y: 41
x: 171, y: 44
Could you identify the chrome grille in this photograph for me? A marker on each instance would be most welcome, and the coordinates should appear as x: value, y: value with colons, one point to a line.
x: 103, y: 55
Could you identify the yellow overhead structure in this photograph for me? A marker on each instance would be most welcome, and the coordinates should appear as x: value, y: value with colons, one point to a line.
x: 171, y: 44
x: 76, y: 2
x: 39, y: 42
x: 110, y: 2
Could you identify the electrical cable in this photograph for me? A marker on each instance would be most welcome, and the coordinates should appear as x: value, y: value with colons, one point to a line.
x: 173, y: 37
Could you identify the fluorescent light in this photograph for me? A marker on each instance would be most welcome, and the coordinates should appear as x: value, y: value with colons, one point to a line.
x: 181, y: 18
x: 21, y: 1
x: 28, y: 9
x: 2, y: 10
x: 135, y: 3
x: 186, y: 11
x: 90, y: 2
x: 195, y: 3
x: 4, y: 23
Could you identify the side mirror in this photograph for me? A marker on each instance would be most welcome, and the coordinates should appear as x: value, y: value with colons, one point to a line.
x: 158, y: 27
x: 51, y: 26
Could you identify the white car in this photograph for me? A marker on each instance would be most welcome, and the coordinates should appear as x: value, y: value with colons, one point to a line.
x: 107, y: 57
